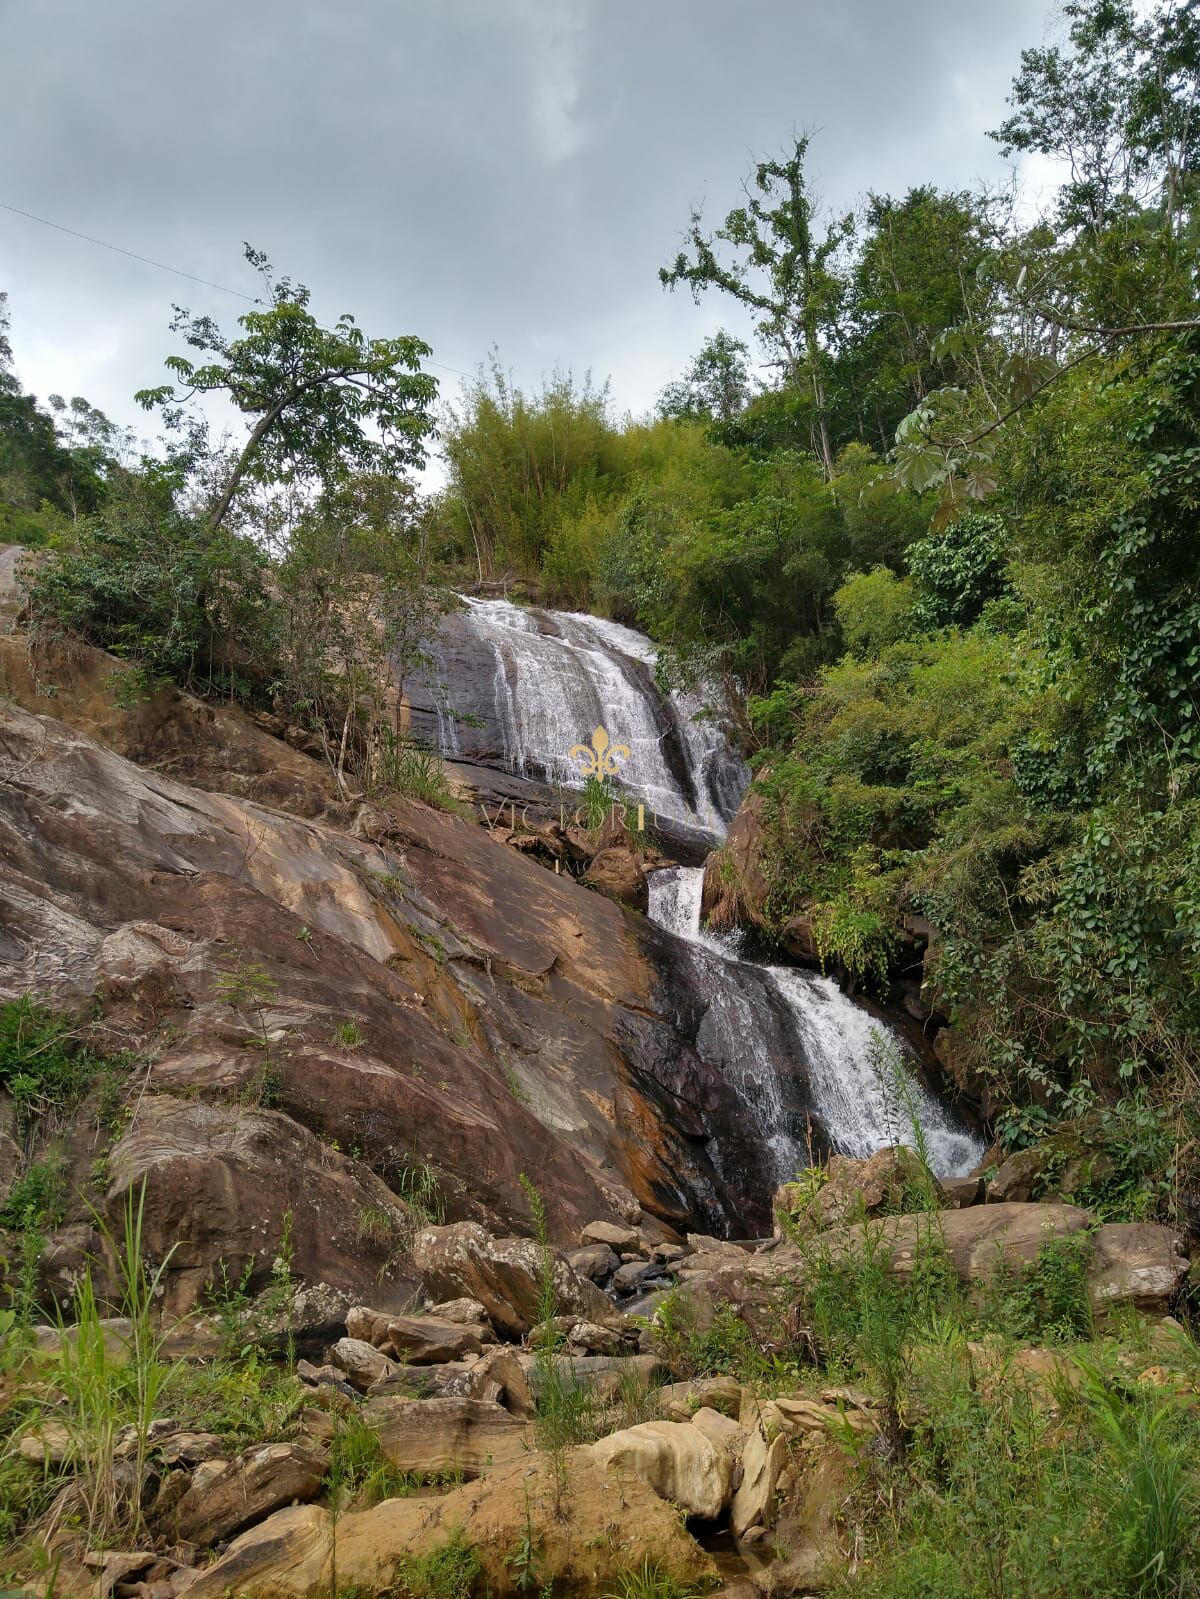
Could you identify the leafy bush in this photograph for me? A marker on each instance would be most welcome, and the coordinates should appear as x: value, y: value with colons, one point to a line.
x: 161, y: 590
x: 957, y: 572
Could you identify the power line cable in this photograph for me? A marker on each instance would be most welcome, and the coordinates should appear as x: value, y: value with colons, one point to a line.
x: 162, y: 266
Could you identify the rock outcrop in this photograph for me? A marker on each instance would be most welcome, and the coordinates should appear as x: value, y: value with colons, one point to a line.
x: 335, y: 1000
x: 1136, y: 1264
x: 568, y: 1522
x: 503, y: 1274
x: 679, y: 1461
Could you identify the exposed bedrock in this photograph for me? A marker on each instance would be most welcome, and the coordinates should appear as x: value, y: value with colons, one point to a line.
x: 391, y: 984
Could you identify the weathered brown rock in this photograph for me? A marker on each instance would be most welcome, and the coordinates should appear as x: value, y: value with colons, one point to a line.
x: 435, y: 1436
x: 362, y: 1363
x: 960, y: 1192
x: 735, y: 889
x: 588, y: 1338
x: 852, y: 1189
x: 617, y: 1238
x: 582, y: 1546
x: 503, y: 1274
x: 1136, y: 1263
x: 594, y: 1261
x: 430, y: 1341
x: 499, y: 1377
x: 367, y: 1325
x: 237, y: 1493
x: 762, y: 1461
x: 155, y: 893
x: 467, y: 1312
x: 1019, y: 1178
x: 1139, y: 1264
x: 681, y: 1400
x: 618, y: 873
x: 219, y: 1181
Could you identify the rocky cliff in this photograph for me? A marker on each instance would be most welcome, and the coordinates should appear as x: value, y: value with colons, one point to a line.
x: 337, y: 1010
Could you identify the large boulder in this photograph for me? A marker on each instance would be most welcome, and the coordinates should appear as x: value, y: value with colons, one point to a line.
x: 679, y: 1461
x: 617, y: 1238
x: 569, y: 1518
x: 596, y: 1262
x: 1138, y: 1264
x: 846, y: 1190
x: 363, y: 1364
x: 504, y: 1275
x: 618, y: 873
x: 216, y: 1185
x: 430, y: 1341
x: 232, y: 1495
x: 434, y: 1436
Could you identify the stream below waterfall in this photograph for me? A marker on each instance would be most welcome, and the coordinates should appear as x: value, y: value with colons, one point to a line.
x: 514, y: 688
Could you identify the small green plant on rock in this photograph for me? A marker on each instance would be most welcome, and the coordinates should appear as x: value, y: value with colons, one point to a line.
x: 448, y: 1572
x: 248, y: 987
x: 1047, y: 1299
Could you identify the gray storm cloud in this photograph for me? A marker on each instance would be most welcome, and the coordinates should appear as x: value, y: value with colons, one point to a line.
x: 475, y: 171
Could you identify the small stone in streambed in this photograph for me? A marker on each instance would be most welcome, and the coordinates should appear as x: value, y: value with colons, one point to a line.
x: 631, y: 1275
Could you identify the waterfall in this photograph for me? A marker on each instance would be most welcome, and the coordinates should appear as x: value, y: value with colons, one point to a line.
x: 525, y: 685
x: 759, y: 1016
x: 513, y: 688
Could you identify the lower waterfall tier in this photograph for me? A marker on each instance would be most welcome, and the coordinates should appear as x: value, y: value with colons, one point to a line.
x: 813, y: 1069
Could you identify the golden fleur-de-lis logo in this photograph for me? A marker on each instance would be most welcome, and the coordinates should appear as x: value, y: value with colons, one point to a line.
x: 603, y: 759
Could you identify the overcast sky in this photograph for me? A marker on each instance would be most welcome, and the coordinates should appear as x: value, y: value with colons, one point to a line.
x: 473, y: 171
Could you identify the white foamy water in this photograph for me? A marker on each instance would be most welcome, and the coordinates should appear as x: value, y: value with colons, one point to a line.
x: 544, y: 680
x: 759, y: 1015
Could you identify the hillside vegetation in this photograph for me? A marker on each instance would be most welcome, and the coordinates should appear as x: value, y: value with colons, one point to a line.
x: 283, y: 1036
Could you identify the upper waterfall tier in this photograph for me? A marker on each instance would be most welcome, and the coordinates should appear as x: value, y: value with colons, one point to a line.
x: 516, y: 687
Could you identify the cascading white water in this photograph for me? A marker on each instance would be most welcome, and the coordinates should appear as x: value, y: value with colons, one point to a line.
x: 861, y: 1107
x: 515, y: 687
x: 533, y: 683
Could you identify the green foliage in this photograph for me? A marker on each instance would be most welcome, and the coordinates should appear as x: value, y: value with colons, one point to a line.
x: 48, y: 1066
x: 153, y: 586
x: 54, y: 466
x: 1150, y: 1487
x: 650, y: 1581
x: 448, y: 1572
x: 1099, y: 1508
x: 359, y: 1474
x: 417, y: 1184
x: 956, y: 572
x: 45, y: 1062
x: 407, y: 766
x: 521, y: 466
x: 321, y: 402
x: 1047, y: 1299
x: 715, y: 387
x: 771, y: 256
x: 874, y: 609
x: 724, y: 1344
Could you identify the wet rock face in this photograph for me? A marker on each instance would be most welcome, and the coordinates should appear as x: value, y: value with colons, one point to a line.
x: 387, y: 998
x: 694, y: 1080
x: 514, y: 688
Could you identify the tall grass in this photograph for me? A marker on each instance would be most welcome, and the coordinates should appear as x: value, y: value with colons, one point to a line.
x: 107, y: 1389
